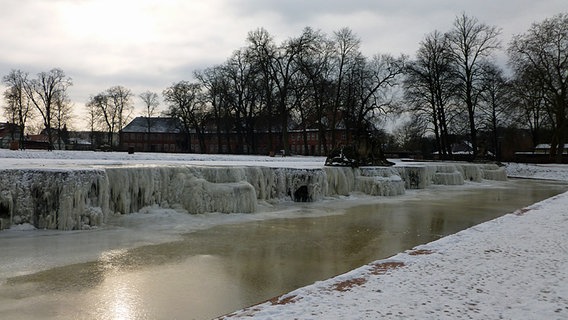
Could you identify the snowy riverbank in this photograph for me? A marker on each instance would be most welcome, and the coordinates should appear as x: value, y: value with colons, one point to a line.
x: 513, y: 267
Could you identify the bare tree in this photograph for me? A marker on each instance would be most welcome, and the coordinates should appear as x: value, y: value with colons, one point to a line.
x: 317, y: 66
x: 347, y: 53
x: 529, y: 101
x: 262, y: 50
x: 94, y: 119
x: 542, y: 53
x: 371, y: 83
x: 494, y: 105
x: 111, y: 109
x: 241, y: 74
x: 103, y: 114
x: 151, y: 102
x: 471, y: 42
x: 216, y: 93
x: 63, y: 113
x: 121, y: 100
x: 44, y: 91
x: 18, y: 108
x: 430, y: 86
x: 184, y: 102
x: 284, y: 68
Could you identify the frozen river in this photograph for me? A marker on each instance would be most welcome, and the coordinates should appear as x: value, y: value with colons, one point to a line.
x: 162, y: 264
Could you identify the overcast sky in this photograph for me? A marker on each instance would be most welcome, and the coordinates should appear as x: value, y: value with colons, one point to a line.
x: 150, y: 44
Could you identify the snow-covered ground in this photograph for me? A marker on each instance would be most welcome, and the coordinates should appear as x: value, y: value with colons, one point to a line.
x: 514, y: 267
x: 538, y: 171
x: 72, y: 159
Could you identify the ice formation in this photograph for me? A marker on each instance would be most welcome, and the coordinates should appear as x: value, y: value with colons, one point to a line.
x: 82, y: 198
x: 53, y: 199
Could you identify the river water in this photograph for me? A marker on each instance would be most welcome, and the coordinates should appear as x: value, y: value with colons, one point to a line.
x: 168, y: 265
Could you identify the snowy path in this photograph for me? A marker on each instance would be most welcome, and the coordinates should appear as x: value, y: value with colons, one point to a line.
x: 514, y: 267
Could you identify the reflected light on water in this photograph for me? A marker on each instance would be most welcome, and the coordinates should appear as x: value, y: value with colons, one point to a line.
x: 120, y: 298
x: 188, y: 289
x: 122, y: 302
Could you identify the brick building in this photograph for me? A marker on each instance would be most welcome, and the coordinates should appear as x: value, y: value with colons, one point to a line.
x: 163, y: 134
x: 156, y: 134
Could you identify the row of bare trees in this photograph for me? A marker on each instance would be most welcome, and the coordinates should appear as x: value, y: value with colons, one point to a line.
x: 449, y: 78
x: 539, y: 59
x: 312, y: 81
x: 111, y: 110
x: 45, y: 95
x: 454, y: 86
x: 454, y: 83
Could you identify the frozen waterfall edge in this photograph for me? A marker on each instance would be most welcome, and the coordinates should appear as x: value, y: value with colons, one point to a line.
x: 84, y: 198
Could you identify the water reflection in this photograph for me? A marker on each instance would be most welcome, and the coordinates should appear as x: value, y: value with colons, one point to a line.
x: 216, y: 271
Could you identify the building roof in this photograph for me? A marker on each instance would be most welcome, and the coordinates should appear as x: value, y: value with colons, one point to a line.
x: 547, y: 146
x: 155, y: 124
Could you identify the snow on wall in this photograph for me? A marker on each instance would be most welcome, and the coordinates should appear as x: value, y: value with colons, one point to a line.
x: 80, y: 199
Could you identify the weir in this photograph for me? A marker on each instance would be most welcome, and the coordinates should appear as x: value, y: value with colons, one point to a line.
x: 74, y: 199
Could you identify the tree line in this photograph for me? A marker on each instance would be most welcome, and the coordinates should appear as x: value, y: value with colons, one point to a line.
x: 316, y: 81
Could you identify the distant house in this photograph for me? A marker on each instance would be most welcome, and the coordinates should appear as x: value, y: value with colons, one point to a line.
x: 544, y: 148
x: 541, y: 154
x: 90, y: 140
x: 41, y: 141
x: 152, y: 134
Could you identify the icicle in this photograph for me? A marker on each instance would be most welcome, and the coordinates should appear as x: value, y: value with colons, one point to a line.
x: 493, y: 172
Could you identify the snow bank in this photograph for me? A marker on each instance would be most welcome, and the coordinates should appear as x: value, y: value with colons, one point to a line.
x: 538, y: 171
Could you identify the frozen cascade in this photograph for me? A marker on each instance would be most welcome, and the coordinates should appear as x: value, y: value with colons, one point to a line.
x: 471, y: 172
x: 133, y: 188
x: 340, y: 180
x: 420, y: 176
x: 493, y: 172
x: 380, y: 181
x: 447, y: 175
x: 415, y: 176
x: 479, y: 171
x: 52, y: 199
x: 83, y: 198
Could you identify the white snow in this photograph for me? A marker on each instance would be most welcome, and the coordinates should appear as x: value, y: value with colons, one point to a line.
x: 513, y: 267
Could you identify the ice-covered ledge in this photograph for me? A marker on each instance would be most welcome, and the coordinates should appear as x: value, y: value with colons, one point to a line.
x: 70, y: 198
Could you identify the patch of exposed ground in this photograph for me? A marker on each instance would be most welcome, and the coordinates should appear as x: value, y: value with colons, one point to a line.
x: 383, y: 267
x: 348, y: 284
